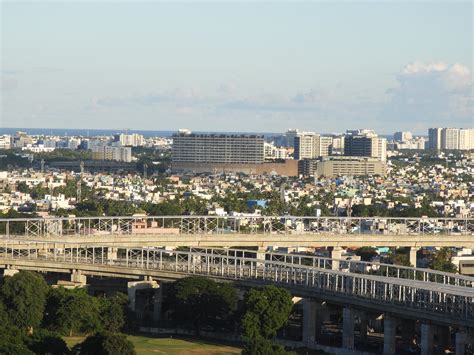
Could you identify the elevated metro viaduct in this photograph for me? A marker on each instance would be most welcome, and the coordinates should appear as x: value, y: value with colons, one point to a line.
x: 438, y: 300
x: 238, y: 231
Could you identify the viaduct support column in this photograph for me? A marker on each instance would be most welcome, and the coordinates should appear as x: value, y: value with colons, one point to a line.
x: 364, y: 321
x: 408, y: 332
x: 10, y: 272
x: 157, y: 302
x: 336, y: 253
x: 427, y: 332
x: 413, y: 251
x: 443, y: 335
x: 461, y: 340
x: 348, y: 328
x: 134, y: 287
x: 76, y: 276
x: 261, y: 252
x: 309, y: 321
x: 389, y: 335
x: 112, y: 254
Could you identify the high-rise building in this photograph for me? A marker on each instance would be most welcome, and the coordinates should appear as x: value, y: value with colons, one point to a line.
x: 466, y: 138
x: 365, y: 144
x: 434, y: 138
x: 309, y: 145
x: 130, y: 140
x: 217, y: 148
x: 402, y: 136
x: 450, y: 138
x: 290, y: 135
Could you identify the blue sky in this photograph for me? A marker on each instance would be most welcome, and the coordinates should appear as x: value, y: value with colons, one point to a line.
x: 322, y: 66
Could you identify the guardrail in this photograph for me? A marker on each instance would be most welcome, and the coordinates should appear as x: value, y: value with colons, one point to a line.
x: 455, y: 302
x: 37, y: 227
x: 352, y: 266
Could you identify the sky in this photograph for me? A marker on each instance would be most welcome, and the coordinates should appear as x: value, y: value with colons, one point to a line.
x: 237, y: 66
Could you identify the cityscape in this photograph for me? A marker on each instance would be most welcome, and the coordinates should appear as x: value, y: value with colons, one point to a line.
x: 144, y: 211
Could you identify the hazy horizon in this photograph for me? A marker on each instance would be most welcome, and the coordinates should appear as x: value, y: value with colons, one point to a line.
x: 246, y: 67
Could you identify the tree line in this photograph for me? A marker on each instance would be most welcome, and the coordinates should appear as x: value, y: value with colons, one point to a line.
x: 35, y: 318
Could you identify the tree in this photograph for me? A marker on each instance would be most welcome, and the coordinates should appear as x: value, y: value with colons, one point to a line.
x: 441, y: 260
x: 263, y: 347
x: 44, y: 342
x: 366, y: 253
x: 12, y: 338
x: 72, y: 312
x: 106, y: 343
x: 24, y: 297
x: 267, y: 310
x: 112, y: 312
x: 202, y: 300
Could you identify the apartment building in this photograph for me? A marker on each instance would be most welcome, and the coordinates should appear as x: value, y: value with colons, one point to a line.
x: 309, y: 145
x: 217, y: 148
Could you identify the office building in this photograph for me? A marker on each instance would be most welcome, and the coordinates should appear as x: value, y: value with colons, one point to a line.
x: 434, y: 138
x: 290, y: 135
x: 365, y: 143
x: 350, y: 166
x: 217, y: 148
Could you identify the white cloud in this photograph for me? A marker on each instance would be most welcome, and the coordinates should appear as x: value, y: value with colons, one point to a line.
x: 433, y: 93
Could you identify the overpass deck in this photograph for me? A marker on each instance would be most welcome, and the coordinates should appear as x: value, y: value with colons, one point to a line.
x: 443, y: 303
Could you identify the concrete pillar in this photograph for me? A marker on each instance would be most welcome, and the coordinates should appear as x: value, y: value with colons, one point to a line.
x: 408, y: 329
x: 389, y: 335
x: 413, y: 251
x: 112, y: 254
x: 336, y: 253
x: 461, y: 340
x: 157, y: 302
x: 260, y: 256
x: 309, y: 321
x: 77, y: 277
x: 364, y: 322
x: 133, y: 287
x: 10, y: 272
x: 348, y: 328
x: 427, y: 332
x: 443, y: 335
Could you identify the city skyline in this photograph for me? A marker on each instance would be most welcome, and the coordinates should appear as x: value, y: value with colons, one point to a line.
x: 237, y: 67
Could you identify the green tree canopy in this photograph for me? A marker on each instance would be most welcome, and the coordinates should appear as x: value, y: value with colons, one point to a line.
x: 112, y: 312
x: 44, y: 342
x: 24, y: 297
x: 267, y: 310
x: 72, y: 312
x: 441, y: 260
x: 202, y: 300
x: 366, y: 253
x: 105, y: 343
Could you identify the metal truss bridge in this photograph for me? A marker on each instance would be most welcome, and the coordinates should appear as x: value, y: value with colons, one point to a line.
x: 411, y: 293
x: 282, y: 231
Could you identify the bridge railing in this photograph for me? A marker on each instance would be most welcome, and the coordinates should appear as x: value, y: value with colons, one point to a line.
x: 352, y: 266
x: 273, y: 225
x: 456, y: 302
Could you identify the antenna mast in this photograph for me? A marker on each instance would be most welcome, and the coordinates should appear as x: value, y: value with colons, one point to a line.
x: 79, y: 183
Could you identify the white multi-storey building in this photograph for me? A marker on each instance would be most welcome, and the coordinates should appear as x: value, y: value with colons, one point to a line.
x: 451, y: 138
x: 309, y: 145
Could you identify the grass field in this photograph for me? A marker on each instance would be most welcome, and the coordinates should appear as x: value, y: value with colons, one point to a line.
x: 170, y: 346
